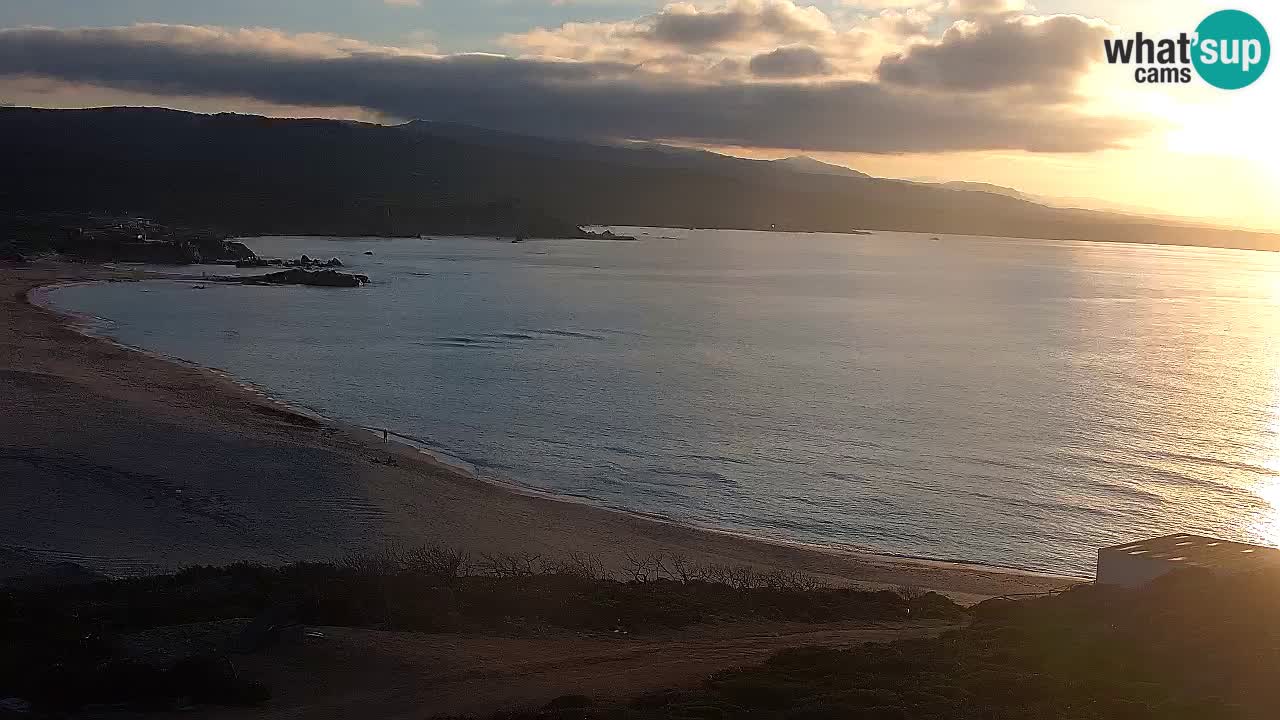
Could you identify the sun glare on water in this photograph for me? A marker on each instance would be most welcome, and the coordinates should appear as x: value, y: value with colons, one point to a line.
x: 1266, y: 525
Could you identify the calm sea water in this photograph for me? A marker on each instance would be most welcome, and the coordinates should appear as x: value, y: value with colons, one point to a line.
x: 1014, y: 402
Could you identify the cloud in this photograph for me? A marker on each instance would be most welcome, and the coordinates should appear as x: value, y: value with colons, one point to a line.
x: 1044, y: 55
x: 893, y: 4
x: 792, y: 61
x: 194, y: 40
x: 900, y: 23
x: 692, y: 40
x: 44, y: 92
x: 404, y: 3
x: 685, y: 25
x: 720, y: 41
x: 976, y: 8
x: 597, y: 99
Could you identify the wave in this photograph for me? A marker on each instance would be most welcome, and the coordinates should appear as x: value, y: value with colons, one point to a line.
x: 570, y: 333
x: 693, y: 474
x: 715, y: 458
x: 1210, y: 462
x: 501, y: 337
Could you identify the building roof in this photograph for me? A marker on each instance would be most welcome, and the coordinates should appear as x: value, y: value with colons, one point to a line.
x: 1200, y: 551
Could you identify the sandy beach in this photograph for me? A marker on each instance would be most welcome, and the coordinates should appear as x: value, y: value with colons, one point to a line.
x: 124, y: 462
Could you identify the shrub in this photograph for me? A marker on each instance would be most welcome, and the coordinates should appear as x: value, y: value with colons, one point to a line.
x: 1189, y: 646
x: 68, y: 637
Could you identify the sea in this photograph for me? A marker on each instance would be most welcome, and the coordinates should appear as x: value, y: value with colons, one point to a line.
x: 1013, y: 402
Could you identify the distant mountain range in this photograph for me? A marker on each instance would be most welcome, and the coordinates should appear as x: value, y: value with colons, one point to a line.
x: 804, y: 164
x: 1080, y: 203
x: 248, y: 174
x: 989, y: 188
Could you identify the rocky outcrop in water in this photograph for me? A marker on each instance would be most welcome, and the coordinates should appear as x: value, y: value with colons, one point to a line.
x: 606, y: 235
x: 238, y: 250
x: 299, y: 276
x: 306, y: 262
x: 302, y: 262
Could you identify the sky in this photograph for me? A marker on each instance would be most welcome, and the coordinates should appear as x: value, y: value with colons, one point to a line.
x: 996, y: 91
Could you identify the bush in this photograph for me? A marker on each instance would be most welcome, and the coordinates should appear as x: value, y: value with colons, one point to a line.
x: 68, y: 637
x: 1189, y: 646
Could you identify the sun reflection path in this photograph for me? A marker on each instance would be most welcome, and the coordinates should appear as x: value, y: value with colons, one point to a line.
x: 1265, y: 526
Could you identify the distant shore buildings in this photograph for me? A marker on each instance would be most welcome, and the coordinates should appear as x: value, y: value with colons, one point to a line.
x: 1137, y: 563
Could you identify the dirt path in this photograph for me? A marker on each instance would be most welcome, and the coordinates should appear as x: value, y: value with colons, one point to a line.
x: 367, y: 673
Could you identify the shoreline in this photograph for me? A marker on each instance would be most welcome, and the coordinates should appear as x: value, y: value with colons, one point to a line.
x: 964, y: 579
x: 514, y: 486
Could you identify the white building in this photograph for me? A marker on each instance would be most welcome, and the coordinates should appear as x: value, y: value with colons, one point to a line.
x: 1136, y: 563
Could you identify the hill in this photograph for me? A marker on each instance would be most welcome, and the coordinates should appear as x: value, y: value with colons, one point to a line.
x: 804, y: 164
x: 989, y: 188
x: 248, y: 174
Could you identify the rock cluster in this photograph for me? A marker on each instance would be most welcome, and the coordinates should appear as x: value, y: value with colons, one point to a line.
x: 300, y: 276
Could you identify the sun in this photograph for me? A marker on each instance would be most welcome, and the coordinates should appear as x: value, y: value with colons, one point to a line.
x: 1239, y: 125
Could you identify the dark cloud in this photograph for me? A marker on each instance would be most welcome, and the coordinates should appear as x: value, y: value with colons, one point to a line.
x: 697, y: 29
x: 790, y: 62
x: 597, y: 100
x: 1045, y: 55
x: 686, y: 26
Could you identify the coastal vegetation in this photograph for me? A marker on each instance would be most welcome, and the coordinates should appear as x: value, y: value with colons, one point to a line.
x: 90, y: 237
x: 102, y: 237
x: 1189, y: 645
x: 66, y: 646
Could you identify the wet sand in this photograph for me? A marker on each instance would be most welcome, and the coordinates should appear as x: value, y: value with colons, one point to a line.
x: 125, y: 462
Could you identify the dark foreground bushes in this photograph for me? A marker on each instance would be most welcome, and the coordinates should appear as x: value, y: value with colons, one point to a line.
x: 1188, y: 647
x: 63, y: 647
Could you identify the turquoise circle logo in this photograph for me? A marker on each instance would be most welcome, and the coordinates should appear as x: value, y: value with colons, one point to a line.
x: 1232, y: 49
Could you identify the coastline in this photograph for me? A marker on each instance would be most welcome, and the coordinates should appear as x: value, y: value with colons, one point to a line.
x: 417, y: 497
